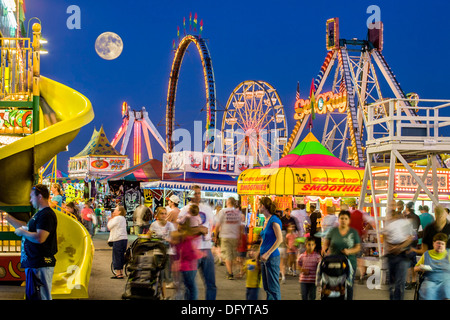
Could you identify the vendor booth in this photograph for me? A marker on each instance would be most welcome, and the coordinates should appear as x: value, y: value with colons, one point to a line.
x: 98, y: 159
x: 309, y: 173
x: 407, y: 189
x: 124, y: 186
x: 216, y: 174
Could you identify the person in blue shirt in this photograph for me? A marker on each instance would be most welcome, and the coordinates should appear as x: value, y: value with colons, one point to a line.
x: 425, y: 219
x: 269, y: 254
x: 56, y: 201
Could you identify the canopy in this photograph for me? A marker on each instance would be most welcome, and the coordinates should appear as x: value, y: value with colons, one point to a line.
x: 98, y: 146
x: 309, y: 169
x: 146, y: 171
x: 207, y: 181
x: 59, y: 174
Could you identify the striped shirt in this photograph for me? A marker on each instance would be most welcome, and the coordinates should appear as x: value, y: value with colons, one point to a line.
x: 310, y: 262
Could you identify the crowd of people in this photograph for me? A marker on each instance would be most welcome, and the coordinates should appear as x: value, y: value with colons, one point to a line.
x: 291, y: 242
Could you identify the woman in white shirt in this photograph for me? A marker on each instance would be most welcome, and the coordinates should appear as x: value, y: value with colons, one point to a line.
x: 117, y: 225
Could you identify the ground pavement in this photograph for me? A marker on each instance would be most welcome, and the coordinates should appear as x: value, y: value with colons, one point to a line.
x: 102, y: 287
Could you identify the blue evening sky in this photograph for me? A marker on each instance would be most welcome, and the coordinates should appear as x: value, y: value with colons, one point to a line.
x: 280, y: 42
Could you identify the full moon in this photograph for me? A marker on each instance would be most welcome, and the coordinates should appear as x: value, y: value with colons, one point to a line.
x: 108, y: 45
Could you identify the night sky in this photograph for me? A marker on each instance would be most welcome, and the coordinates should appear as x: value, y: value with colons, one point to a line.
x: 280, y: 42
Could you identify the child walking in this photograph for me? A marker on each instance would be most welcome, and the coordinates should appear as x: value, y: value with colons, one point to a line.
x: 308, y: 262
x: 253, y: 271
x: 291, y: 249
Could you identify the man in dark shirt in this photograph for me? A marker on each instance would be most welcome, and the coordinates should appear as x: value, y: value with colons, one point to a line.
x: 286, y: 220
x: 316, y: 226
x: 39, y: 245
x: 440, y: 225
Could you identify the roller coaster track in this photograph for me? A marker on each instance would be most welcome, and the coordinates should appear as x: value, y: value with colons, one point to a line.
x: 210, y: 89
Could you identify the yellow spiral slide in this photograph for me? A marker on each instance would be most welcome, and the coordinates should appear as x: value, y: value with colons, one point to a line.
x: 21, y: 159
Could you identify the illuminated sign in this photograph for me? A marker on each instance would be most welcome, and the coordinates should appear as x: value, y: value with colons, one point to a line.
x: 332, y: 33
x: 404, y: 181
x: 193, y: 161
x: 102, y: 165
x: 329, y: 190
x: 15, y: 121
x: 325, y: 102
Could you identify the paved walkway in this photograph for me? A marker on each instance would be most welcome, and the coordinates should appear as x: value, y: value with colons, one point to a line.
x: 102, y: 287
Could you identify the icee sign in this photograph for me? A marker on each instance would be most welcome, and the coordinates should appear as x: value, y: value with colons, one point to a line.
x: 194, y: 161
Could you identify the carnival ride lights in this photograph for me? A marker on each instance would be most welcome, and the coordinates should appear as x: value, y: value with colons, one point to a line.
x: 355, y: 85
x: 209, y: 81
x: 137, y: 121
x: 254, y: 123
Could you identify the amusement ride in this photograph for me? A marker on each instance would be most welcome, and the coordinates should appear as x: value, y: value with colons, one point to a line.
x: 350, y: 65
x: 254, y: 123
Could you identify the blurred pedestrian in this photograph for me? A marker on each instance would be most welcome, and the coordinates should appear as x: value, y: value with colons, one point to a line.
x: 173, y: 210
x: 269, y: 254
x: 162, y: 229
x: 301, y: 217
x: 204, y: 243
x: 302, y: 220
x: 291, y: 249
x: 398, y: 235
x: 360, y: 221
x: 316, y: 225
x: 87, y: 216
x: 118, y: 237
x: 329, y: 220
x: 410, y: 214
x: 440, y: 225
x: 188, y: 252
x: 242, y: 246
x: 142, y: 218
x: 228, y: 226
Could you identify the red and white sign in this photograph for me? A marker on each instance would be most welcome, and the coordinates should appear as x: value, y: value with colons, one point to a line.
x: 193, y: 161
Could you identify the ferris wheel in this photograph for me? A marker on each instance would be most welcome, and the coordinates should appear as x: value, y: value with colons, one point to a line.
x: 254, y: 123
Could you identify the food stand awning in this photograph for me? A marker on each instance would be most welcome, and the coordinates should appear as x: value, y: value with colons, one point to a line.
x: 146, y: 171
x: 309, y: 169
x: 208, y: 182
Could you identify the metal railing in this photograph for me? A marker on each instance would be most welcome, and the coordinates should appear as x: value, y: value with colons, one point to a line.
x: 429, y: 125
x: 16, y: 61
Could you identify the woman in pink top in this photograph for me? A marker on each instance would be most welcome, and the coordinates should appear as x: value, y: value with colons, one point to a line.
x: 188, y: 254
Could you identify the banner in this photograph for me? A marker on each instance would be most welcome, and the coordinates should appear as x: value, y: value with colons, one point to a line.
x: 282, y: 203
x: 194, y: 161
x: 97, y: 165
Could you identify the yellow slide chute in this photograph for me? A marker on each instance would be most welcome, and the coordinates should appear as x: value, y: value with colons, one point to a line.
x: 21, y: 159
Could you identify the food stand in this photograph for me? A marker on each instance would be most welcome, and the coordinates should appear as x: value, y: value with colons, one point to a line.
x: 308, y: 173
x: 97, y: 160
x: 216, y: 174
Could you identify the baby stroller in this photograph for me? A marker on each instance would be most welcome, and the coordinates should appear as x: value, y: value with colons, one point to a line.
x: 333, y: 274
x: 148, y: 259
